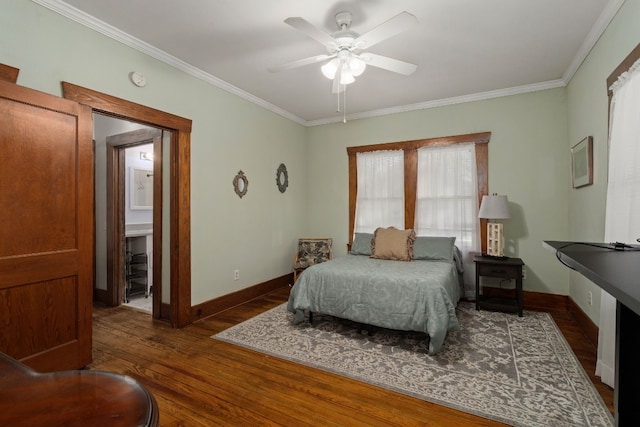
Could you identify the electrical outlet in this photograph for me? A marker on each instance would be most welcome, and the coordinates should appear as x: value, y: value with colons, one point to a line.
x: 524, y: 272
x: 236, y: 274
x: 590, y: 298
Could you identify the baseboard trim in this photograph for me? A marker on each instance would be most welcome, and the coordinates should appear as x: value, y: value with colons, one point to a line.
x: 538, y: 301
x: 165, y: 312
x: 586, y: 324
x: 225, y: 302
x: 535, y: 301
x: 100, y: 295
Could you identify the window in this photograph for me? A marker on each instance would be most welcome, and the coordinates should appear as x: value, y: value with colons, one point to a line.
x: 623, y: 199
x: 380, y: 200
x: 447, y: 199
x: 410, y: 149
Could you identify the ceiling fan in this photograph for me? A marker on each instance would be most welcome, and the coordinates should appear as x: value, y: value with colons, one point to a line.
x: 345, y: 58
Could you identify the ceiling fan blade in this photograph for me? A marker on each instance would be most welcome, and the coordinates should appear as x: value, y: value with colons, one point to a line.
x: 390, y: 64
x: 399, y: 23
x: 307, y: 28
x: 299, y: 63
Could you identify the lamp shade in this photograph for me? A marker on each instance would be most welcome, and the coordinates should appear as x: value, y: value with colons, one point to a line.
x: 494, y: 207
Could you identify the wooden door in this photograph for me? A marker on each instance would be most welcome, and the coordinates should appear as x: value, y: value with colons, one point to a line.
x: 46, y: 229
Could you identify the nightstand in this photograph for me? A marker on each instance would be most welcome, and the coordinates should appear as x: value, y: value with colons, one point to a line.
x: 501, y: 268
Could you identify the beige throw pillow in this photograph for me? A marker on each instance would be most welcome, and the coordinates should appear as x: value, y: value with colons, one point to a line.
x: 393, y: 244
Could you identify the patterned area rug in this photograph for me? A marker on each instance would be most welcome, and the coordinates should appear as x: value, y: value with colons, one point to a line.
x: 517, y: 370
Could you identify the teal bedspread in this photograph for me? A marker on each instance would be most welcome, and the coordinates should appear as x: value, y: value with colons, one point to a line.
x: 412, y: 296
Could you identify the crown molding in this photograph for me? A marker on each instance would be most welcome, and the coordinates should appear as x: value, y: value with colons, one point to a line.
x: 592, y: 38
x: 89, y: 21
x: 552, y: 84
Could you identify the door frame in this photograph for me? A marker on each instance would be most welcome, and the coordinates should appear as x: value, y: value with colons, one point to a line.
x: 179, y: 192
x: 116, y: 146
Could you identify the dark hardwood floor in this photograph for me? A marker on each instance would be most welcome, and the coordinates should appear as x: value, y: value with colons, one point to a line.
x: 198, y: 381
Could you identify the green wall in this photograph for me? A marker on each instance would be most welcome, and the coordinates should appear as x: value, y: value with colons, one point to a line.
x: 256, y: 234
x: 528, y: 153
x: 528, y: 162
x: 588, y: 115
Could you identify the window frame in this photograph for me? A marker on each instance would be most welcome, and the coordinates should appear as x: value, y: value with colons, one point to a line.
x: 410, y: 149
x: 624, y: 66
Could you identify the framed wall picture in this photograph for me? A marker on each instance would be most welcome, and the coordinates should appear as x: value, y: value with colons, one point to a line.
x: 141, y: 189
x: 582, y: 163
x: 282, y: 178
x: 240, y: 184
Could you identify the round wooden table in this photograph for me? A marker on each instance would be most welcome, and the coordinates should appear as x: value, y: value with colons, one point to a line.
x: 72, y: 398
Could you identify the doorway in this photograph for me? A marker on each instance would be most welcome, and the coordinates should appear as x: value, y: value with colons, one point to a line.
x: 138, y: 227
x: 178, y: 198
x: 126, y: 156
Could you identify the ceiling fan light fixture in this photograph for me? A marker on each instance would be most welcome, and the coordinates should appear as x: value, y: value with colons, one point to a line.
x: 357, y: 66
x: 344, y: 59
x: 329, y: 69
x: 346, y: 76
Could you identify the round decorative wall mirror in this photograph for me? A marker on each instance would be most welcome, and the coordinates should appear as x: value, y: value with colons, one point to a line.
x: 240, y: 184
x: 282, y: 178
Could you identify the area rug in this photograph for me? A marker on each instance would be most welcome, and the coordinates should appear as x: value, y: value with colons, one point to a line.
x: 517, y: 370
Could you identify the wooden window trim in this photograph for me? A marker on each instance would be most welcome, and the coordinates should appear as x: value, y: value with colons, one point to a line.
x: 410, y: 149
x: 622, y: 68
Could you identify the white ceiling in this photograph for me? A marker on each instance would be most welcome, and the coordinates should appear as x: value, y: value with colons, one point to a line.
x: 465, y: 49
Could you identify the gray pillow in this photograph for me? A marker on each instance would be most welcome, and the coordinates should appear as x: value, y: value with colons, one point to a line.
x: 362, y: 244
x: 434, y: 248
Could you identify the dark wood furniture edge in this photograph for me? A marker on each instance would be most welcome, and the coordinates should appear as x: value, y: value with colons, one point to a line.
x: 505, y: 268
x: 594, y: 261
x: 616, y: 271
x: 77, y: 395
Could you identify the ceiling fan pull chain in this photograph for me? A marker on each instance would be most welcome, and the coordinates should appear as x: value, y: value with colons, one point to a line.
x: 344, y: 105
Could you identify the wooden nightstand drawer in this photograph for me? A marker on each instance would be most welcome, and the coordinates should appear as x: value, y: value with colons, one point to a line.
x: 500, y: 270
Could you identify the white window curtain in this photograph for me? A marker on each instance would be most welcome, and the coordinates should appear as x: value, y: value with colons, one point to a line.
x: 447, y: 199
x: 622, y: 222
x: 380, y: 200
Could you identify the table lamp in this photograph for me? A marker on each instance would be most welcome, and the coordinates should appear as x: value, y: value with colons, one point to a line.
x: 494, y: 208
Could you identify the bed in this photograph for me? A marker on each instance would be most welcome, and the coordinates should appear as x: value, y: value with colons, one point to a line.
x: 420, y: 294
